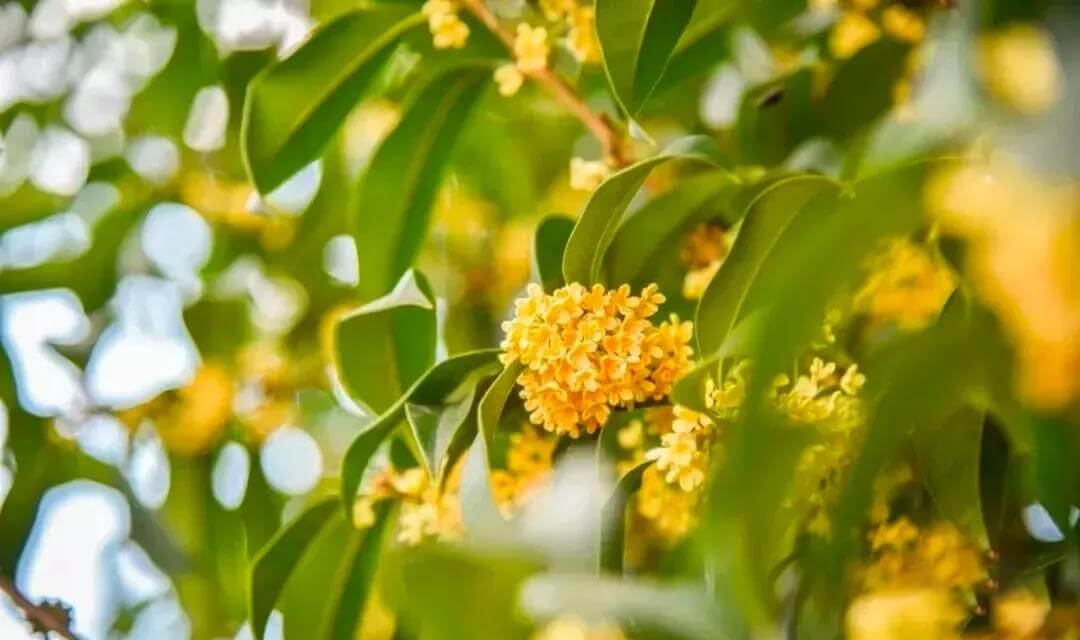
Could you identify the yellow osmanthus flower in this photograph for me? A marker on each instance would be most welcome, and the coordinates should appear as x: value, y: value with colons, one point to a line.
x: 528, y: 466
x: 587, y: 351
x: 531, y: 47
x: 426, y: 511
x: 509, y: 79
x: 586, y: 175
x: 903, y: 23
x: 1019, y: 614
x: 573, y: 628
x: 202, y: 408
x: 1019, y: 67
x: 726, y: 398
x: 556, y: 9
x: 447, y: 29
x: 906, y: 285
x: 581, y: 38
x: 903, y: 614
x: 853, y: 32
x: 667, y: 509
x: 1023, y: 266
x: 705, y: 250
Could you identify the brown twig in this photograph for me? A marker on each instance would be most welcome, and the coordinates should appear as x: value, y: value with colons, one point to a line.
x: 599, y: 125
x: 43, y: 617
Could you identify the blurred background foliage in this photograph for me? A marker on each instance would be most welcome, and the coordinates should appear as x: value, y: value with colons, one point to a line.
x: 254, y: 253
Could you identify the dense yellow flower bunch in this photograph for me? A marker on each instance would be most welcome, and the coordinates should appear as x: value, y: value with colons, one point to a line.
x: 906, y: 286
x: 426, y: 511
x: 587, y: 351
x: 447, y: 29
x: 705, y: 249
x: 528, y: 465
x: 916, y: 583
x: 684, y: 450
x: 573, y: 628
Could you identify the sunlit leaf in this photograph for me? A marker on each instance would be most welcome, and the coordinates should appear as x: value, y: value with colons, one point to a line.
x: 595, y: 229
x: 637, y: 39
x: 294, y: 107
x: 396, y: 193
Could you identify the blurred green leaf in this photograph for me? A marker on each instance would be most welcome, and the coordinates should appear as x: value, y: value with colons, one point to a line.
x: 353, y: 584
x: 383, y: 347
x: 274, y: 564
x: 724, y: 302
x: 637, y: 38
x: 477, y: 499
x: 294, y: 107
x: 395, y: 194
x: 862, y: 90
x: 949, y: 454
x: 549, y: 244
x: 775, y: 118
x: 595, y: 229
x: 613, y: 519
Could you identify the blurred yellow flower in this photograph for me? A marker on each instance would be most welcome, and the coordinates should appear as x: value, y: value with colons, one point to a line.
x: 851, y: 33
x: 705, y: 250
x: 1019, y: 614
x: 903, y: 23
x: 587, y: 351
x: 904, y: 614
x: 1024, y: 236
x: 509, y: 79
x: 906, y: 285
x: 668, y: 509
x: 586, y: 175
x: 197, y: 420
x: 581, y: 38
x: 556, y: 9
x: 531, y: 47
x: 447, y: 29
x: 573, y: 628
x: 1019, y: 67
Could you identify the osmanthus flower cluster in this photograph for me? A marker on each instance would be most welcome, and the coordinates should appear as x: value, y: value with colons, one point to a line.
x: 704, y: 251
x: 588, y: 351
x: 528, y: 465
x: 427, y: 511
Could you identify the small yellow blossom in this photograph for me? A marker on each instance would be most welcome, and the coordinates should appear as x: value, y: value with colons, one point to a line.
x: 528, y: 464
x: 447, y: 29
x: 1020, y: 68
x: 897, y: 534
x: 203, y: 407
x: 852, y: 33
x: 1019, y: 614
x: 906, y: 285
x: 903, y: 24
x: 705, y: 249
x: 670, y: 511
x: 697, y: 280
x: 573, y: 628
x: 586, y: 175
x: 852, y: 380
x: 587, y: 351
x: 426, y: 511
x: 509, y: 79
x: 903, y: 614
x: 363, y: 512
x: 630, y: 436
x: 556, y: 9
x: 581, y: 38
x: 531, y: 47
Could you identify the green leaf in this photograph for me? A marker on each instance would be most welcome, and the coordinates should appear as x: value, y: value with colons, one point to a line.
x: 637, y: 38
x: 294, y: 107
x: 440, y: 406
x: 396, y: 193
x: 613, y: 522
x: 383, y: 347
x: 862, y: 90
x: 549, y: 244
x: 657, y: 227
x: 275, y: 562
x: 353, y: 585
x: 477, y: 499
x: 949, y: 455
x: 775, y: 118
x: 724, y: 302
x: 595, y: 229
x: 429, y: 391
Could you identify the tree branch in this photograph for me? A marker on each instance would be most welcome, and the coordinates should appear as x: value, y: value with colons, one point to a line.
x: 43, y: 617
x: 599, y: 125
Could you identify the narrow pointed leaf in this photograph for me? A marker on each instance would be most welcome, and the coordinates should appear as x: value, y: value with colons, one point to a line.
x: 549, y: 245
x: 355, y: 581
x: 396, y: 193
x: 275, y: 562
x: 637, y: 38
x: 613, y: 522
x: 294, y: 107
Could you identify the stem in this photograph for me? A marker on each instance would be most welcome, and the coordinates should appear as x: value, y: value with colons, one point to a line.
x: 599, y: 125
x: 41, y: 617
